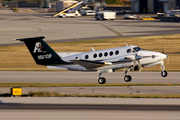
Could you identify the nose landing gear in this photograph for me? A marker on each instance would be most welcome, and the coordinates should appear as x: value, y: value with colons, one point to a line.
x: 164, y: 72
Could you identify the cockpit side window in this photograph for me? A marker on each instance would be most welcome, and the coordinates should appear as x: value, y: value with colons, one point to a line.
x: 129, y: 51
x: 137, y: 49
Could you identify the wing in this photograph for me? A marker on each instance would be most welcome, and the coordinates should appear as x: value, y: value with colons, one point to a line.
x: 88, y: 64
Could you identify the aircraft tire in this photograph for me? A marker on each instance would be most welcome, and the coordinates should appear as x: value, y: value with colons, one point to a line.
x: 127, y: 78
x: 164, y: 73
x: 102, y: 80
x: 75, y: 15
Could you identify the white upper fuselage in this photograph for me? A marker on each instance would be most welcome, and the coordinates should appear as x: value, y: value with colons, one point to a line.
x: 113, y: 57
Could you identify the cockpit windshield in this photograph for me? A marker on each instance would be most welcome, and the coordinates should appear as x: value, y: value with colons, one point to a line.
x: 137, y: 49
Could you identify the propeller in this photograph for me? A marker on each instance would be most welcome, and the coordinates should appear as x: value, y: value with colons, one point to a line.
x: 168, y: 59
x: 163, y: 51
x: 137, y: 59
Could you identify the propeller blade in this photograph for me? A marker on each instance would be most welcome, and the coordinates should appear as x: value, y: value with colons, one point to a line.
x: 139, y: 65
x: 167, y: 59
x: 163, y: 51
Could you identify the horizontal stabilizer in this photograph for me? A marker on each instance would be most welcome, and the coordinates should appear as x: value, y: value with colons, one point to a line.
x: 30, y: 38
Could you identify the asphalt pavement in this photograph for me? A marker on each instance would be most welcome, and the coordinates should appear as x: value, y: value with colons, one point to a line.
x: 21, y: 25
x: 91, y: 77
x: 45, y: 108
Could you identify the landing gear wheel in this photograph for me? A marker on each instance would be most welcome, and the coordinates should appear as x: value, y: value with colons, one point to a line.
x: 76, y: 16
x: 164, y: 73
x: 102, y: 80
x: 127, y: 78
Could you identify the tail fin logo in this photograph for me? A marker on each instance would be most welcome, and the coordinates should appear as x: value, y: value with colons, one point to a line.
x: 38, y: 47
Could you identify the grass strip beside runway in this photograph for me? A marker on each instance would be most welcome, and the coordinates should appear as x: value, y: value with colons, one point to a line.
x: 18, y: 58
x: 82, y: 84
x: 58, y: 94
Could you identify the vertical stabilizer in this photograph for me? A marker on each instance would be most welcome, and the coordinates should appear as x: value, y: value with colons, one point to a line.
x: 42, y: 53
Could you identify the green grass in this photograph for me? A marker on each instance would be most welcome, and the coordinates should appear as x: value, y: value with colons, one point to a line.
x: 57, y: 94
x: 80, y: 84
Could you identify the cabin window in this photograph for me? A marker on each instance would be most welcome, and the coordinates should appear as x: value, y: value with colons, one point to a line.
x: 117, y: 52
x: 105, y: 54
x: 100, y: 54
x: 86, y: 57
x: 111, y: 53
x: 95, y: 55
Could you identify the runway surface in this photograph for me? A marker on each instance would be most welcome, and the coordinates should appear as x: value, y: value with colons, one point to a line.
x: 88, y: 115
x: 91, y: 77
x: 89, y: 108
x: 85, y: 77
x: 20, y: 25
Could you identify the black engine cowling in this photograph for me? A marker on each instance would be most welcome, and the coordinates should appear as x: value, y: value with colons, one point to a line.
x: 136, y: 68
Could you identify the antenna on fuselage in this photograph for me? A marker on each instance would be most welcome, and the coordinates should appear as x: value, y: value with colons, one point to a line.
x: 93, y: 49
x: 126, y: 44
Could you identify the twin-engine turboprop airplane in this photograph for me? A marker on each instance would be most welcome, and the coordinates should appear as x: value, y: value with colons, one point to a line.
x: 102, y: 61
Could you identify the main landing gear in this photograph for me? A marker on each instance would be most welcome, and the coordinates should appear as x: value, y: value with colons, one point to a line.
x: 127, y: 77
x: 101, y: 80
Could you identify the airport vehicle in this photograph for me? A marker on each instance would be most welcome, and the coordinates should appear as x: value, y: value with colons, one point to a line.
x: 70, y: 14
x: 87, y: 11
x: 131, y: 16
x: 71, y: 8
x: 136, y: 17
x: 105, y: 15
x: 160, y: 14
x: 173, y: 13
x: 101, y: 61
x: 170, y: 13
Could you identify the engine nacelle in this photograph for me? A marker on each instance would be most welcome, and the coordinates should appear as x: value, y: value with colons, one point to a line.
x: 136, y: 68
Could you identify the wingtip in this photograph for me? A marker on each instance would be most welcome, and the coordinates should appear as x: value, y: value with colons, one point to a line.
x: 12, y: 40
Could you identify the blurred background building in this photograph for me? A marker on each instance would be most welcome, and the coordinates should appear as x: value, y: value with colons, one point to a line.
x: 153, y: 6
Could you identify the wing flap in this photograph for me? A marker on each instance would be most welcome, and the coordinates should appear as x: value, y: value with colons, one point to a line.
x: 90, y: 64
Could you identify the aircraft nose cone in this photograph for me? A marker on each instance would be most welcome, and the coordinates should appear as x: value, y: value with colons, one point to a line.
x: 164, y: 56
